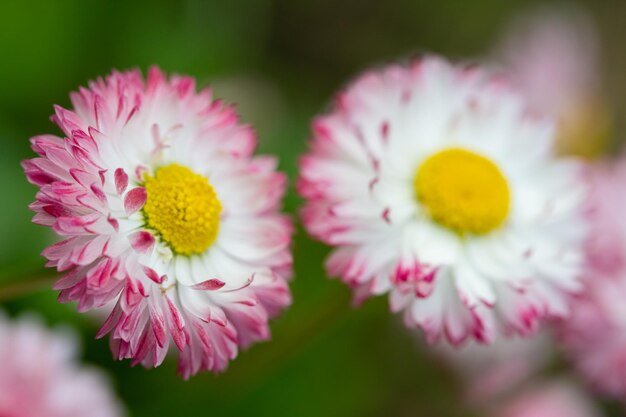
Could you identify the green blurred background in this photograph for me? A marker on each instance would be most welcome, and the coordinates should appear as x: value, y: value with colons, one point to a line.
x: 280, y: 61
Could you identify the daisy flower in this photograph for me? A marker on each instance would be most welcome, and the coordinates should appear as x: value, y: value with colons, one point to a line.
x: 595, y: 334
x: 553, y: 55
x: 489, y: 373
x: 436, y: 185
x: 41, y: 377
x: 550, y: 399
x: 163, y: 210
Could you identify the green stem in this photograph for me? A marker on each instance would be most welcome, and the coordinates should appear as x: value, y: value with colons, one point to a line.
x: 300, y: 335
x: 25, y: 287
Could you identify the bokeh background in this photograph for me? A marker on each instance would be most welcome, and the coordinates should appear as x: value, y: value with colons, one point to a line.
x: 280, y: 61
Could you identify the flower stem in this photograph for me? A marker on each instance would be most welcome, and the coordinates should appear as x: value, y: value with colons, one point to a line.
x: 25, y: 287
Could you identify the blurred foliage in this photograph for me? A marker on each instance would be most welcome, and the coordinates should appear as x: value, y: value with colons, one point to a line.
x: 281, y: 61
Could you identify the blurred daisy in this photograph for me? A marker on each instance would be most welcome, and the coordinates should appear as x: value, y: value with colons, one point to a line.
x: 436, y: 185
x: 553, y: 54
x: 39, y: 375
x: 551, y: 399
x: 489, y: 373
x: 163, y: 210
x: 595, y: 334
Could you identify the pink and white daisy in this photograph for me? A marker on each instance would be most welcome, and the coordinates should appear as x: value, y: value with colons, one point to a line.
x: 550, y: 399
x: 39, y: 376
x: 492, y: 372
x: 164, y: 210
x: 553, y: 55
x: 595, y: 334
x: 437, y: 186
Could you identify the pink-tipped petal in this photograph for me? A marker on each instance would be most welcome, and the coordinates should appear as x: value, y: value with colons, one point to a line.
x: 121, y: 180
x: 142, y: 241
x: 135, y: 199
x: 209, y: 285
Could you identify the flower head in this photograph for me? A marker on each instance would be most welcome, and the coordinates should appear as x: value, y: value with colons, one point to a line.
x: 163, y: 210
x: 553, y: 55
x: 490, y: 373
x: 550, y: 399
x: 435, y: 184
x: 39, y: 376
x: 595, y: 334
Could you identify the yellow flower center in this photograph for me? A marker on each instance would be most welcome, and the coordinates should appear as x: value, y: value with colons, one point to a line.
x: 463, y: 191
x: 183, y: 208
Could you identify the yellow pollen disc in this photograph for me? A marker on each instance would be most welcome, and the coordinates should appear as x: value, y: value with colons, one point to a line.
x: 463, y: 191
x: 182, y: 208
